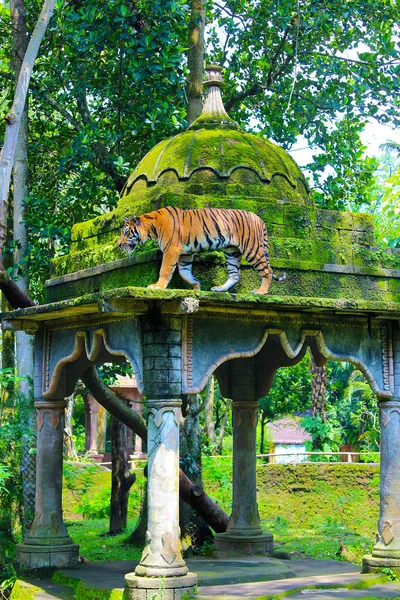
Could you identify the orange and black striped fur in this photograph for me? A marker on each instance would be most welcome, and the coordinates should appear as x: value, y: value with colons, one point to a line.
x: 182, y: 233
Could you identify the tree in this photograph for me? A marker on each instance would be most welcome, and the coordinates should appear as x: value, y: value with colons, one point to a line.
x: 23, y: 341
x: 121, y: 479
x: 387, y: 203
x: 195, y: 62
x: 318, y: 389
x: 13, y: 123
x: 194, y: 495
x: 290, y: 392
x: 316, y: 69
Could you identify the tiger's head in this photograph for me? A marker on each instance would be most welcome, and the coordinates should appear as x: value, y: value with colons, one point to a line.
x: 131, y: 234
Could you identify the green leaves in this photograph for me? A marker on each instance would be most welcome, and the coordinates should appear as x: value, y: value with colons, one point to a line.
x: 348, y: 71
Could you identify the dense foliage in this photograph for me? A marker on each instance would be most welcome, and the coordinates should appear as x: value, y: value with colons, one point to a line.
x: 317, y: 69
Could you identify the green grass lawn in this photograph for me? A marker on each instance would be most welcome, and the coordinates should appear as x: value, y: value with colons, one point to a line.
x: 95, y: 544
x: 311, y: 509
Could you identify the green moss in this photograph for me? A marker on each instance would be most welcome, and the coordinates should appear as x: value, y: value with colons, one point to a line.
x: 213, y: 120
x: 24, y: 591
x: 283, y: 221
x: 305, y: 278
x: 221, y: 151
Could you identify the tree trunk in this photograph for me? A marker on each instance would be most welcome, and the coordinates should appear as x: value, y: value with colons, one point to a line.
x: 139, y: 533
x: 70, y: 449
x: 7, y: 407
x: 24, y: 342
x: 223, y: 425
x: 197, y: 498
x: 209, y: 414
x: 197, y: 22
x: 121, y: 479
x: 210, y: 511
x: 318, y: 389
x: 13, y: 118
x: 262, y: 436
x: 194, y: 531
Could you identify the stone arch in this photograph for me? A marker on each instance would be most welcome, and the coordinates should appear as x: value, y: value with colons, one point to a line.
x: 90, y: 348
x: 273, y: 347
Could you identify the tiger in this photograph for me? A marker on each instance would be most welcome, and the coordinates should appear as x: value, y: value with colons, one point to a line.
x: 181, y: 234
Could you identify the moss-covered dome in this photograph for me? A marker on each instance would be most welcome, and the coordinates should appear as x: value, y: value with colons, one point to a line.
x: 221, y: 155
x: 214, y: 163
x: 216, y: 151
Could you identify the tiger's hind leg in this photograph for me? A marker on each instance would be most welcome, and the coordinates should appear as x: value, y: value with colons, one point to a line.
x: 233, y: 263
x: 185, y: 263
x: 260, y: 263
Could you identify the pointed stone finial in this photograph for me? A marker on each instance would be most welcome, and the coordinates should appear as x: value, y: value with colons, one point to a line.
x: 214, y: 115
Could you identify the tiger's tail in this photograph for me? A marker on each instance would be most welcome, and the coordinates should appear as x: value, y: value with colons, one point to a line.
x: 281, y: 278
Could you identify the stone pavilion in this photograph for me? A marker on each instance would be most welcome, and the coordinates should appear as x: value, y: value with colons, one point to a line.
x: 340, y: 300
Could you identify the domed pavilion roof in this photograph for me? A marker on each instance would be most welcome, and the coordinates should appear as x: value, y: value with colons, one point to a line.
x: 214, y: 163
x: 215, y: 147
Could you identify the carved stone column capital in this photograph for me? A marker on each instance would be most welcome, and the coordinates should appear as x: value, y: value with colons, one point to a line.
x: 242, y: 407
x: 54, y: 408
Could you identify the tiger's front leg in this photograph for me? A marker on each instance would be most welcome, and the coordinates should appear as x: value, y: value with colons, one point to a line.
x: 168, y: 266
x: 185, y: 264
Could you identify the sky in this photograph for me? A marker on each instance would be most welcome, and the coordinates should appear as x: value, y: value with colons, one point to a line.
x: 373, y: 135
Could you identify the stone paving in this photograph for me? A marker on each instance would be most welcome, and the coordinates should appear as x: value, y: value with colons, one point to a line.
x: 240, y: 579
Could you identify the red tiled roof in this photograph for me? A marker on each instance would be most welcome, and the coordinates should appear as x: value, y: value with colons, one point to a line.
x: 288, y: 431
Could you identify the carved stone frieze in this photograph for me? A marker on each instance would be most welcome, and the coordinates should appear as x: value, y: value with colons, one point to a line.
x: 387, y: 356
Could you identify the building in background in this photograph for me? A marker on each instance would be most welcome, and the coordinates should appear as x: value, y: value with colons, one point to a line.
x: 288, y: 441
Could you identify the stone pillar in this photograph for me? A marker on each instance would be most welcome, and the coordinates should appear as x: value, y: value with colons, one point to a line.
x: 48, y: 543
x: 244, y: 534
x: 386, y: 553
x: 92, y: 409
x: 162, y: 565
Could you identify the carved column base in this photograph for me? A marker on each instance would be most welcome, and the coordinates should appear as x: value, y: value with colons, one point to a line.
x: 374, y: 564
x: 227, y: 544
x: 94, y: 455
x: 170, y: 588
x: 30, y: 556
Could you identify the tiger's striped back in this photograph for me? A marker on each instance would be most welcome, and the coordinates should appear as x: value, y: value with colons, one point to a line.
x: 183, y: 233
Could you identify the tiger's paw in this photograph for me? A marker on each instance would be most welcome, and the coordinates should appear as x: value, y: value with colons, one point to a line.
x: 156, y: 286
x: 259, y: 292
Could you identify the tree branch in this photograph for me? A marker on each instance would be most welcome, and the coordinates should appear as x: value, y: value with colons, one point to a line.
x: 102, y: 154
x: 253, y: 90
x: 111, y: 402
x: 15, y: 296
x: 205, y: 401
x: 194, y: 495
